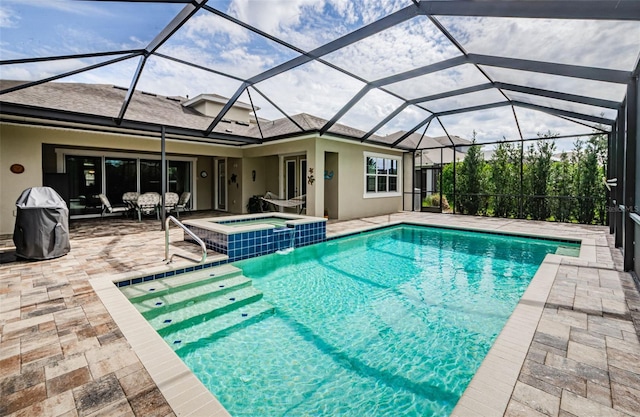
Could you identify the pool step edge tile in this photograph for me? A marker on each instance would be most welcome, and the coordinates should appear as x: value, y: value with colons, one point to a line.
x: 142, y: 291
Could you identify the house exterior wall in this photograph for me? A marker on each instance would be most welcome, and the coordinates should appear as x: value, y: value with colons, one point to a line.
x: 251, y: 187
x: 23, y: 144
x: 205, y: 186
x: 351, y: 159
x: 16, y: 148
x: 235, y: 182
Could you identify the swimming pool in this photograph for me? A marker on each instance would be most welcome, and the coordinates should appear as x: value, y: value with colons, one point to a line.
x: 249, y: 235
x: 393, y: 322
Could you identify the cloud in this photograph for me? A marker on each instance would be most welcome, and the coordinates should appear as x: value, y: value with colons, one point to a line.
x: 603, y: 44
x: 204, y: 26
x: 406, y: 120
x: 8, y: 18
x: 409, y: 45
x: 67, y: 6
x: 313, y: 88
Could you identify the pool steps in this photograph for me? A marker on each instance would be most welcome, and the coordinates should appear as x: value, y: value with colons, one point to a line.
x: 178, y: 297
x: 220, y: 326
x: 205, y: 310
x: 222, y: 301
x: 155, y: 288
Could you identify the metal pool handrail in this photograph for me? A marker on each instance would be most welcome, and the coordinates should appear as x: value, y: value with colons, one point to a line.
x: 186, y: 229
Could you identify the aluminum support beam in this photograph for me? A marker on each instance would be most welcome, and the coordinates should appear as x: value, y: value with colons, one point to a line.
x: 452, y: 93
x: 574, y: 71
x: 591, y: 101
x: 412, y: 131
x: 620, y: 142
x: 542, y: 9
x: 566, y: 113
x: 131, y: 90
x: 67, y: 74
x: 176, y: 23
x: 127, y: 126
x: 346, y: 40
x: 163, y: 162
x: 473, y: 108
x: 385, y: 121
x: 277, y: 108
x: 610, y: 173
x: 225, y: 108
x: 630, y: 174
x: 427, y: 69
x: 75, y: 56
x: 355, y: 99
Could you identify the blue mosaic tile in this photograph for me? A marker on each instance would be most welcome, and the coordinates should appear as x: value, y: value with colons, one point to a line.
x: 124, y: 283
x: 148, y: 278
x: 136, y: 280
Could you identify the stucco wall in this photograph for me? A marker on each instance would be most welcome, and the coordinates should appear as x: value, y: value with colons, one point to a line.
x: 271, y: 173
x: 25, y: 151
x: 235, y: 185
x: 204, y: 185
x: 23, y: 144
x: 251, y: 187
x: 331, y: 188
x: 352, y: 203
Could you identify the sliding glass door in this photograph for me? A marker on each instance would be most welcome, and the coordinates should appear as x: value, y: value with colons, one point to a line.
x: 113, y: 176
x: 85, y: 183
x: 120, y: 177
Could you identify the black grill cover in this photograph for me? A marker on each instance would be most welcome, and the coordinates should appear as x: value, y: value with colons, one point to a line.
x: 42, y: 224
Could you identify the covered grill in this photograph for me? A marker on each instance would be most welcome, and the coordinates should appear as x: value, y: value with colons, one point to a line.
x: 42, y: 224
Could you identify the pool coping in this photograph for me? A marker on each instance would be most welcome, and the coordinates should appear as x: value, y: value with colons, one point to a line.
x: 487, y: 394
x: 291, y: 219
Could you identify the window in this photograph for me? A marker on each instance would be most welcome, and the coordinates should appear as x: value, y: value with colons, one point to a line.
x: 381, y: 175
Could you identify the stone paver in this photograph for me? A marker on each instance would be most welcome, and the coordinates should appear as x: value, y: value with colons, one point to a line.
x: 62, y: 353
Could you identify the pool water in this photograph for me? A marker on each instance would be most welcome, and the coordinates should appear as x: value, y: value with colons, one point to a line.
x: 275, y: 221
x: 387, y: 323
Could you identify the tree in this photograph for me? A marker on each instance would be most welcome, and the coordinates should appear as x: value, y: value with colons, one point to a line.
x: 471, y: 179
x: 447, y: 183
x: 561, y: 187
x: 504, y: 175
x: 539, y: 159
x: 589, y: 185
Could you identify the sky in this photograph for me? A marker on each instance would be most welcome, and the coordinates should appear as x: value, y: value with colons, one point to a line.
x: 43, y: 28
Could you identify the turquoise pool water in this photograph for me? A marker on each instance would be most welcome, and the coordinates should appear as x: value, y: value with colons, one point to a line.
x: 275, y: 221
x: 388, y: 323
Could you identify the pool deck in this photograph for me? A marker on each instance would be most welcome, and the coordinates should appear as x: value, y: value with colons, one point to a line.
x: 71, y: 345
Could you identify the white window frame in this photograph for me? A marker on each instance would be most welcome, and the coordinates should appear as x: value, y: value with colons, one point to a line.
x: 382, y: 194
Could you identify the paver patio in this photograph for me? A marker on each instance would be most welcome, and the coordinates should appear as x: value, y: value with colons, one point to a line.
x: 62, y: 354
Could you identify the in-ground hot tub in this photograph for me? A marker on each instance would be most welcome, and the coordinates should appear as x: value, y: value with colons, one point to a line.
x: 249, y: 235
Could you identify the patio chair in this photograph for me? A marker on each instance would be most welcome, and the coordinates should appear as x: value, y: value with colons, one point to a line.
x: 130, y: 199
x: 107, y: 207
x: 170, y: 201
x: 300, y: 200
x: 148, y: 204
x: 183, y: 203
